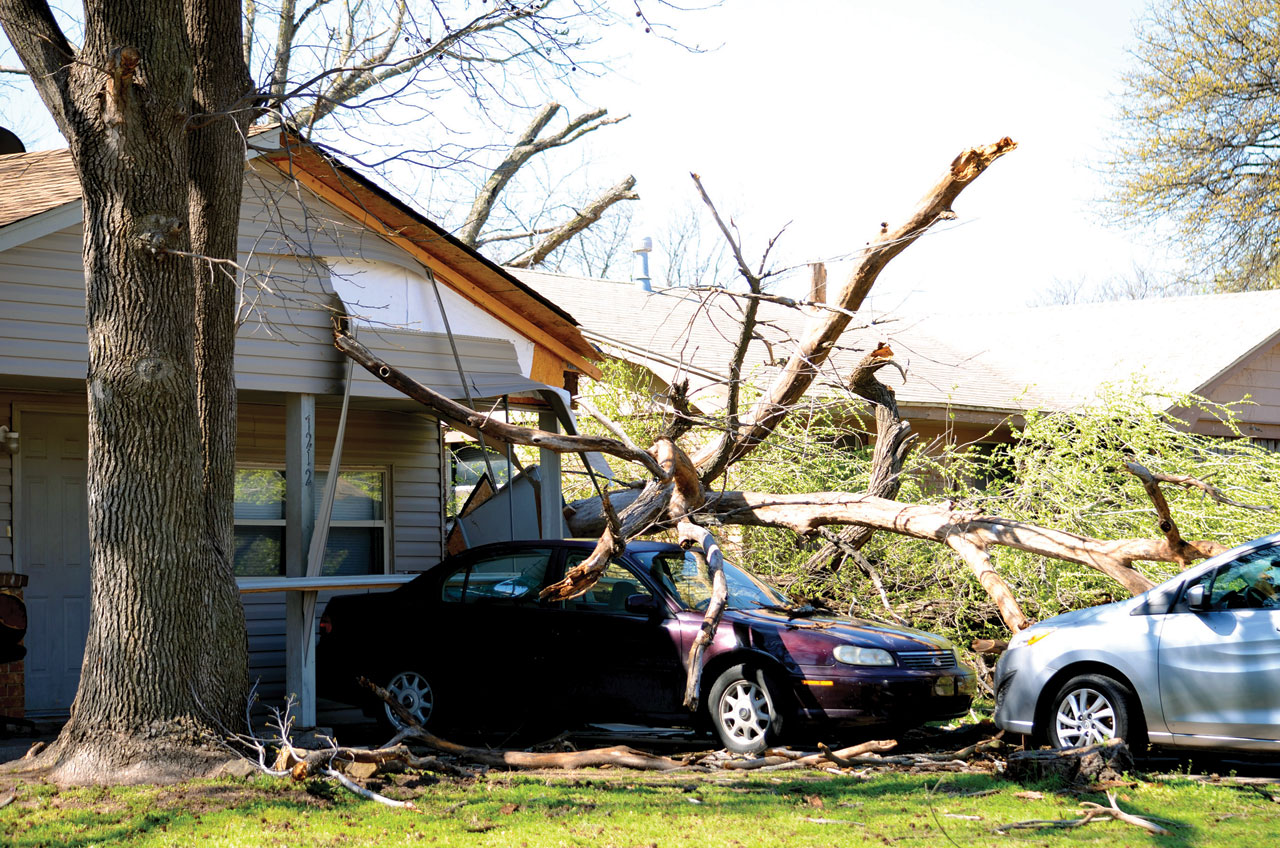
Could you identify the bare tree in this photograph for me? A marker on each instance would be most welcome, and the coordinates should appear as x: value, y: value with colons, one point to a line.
x: 155, y: 103
x: 395, y: 58
x: 1139, y: 283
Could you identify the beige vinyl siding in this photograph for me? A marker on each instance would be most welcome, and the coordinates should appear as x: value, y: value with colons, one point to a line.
x: 282, y: 218
x: 42, y: 308
x: 406, y: 444
x: 1258, y: 378
x: 285, y: 340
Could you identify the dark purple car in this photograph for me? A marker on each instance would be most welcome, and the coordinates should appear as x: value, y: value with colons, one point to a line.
x: 469, y: 645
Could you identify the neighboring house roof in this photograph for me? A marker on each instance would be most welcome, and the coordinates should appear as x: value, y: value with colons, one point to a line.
x: 1008, y: 360
x: 1063, y: 353
x: 36, y: 183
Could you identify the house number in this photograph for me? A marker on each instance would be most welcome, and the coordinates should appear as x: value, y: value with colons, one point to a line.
x: 308, y: 451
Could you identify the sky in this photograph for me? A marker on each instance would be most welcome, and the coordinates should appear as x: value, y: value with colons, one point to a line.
x: 832, y: 116
x: 837, y: 115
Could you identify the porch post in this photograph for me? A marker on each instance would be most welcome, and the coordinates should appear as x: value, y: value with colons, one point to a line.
x: 549, y: 491
x: 299, y: 500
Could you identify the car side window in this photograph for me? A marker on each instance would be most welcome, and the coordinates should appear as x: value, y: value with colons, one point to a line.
x: 1250, y: 582
x: 612, y: 589
x: 510, y: 578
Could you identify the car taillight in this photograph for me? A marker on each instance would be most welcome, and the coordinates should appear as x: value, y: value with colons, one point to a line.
x: 326, y: 625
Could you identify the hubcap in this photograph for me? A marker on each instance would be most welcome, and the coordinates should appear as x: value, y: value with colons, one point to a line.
x: 1085, y: 717
x: 412, y: 691
x: 744, y: 711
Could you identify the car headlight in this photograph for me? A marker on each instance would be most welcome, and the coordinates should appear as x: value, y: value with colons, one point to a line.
x: 1030, y: 636
x: 854, y: 655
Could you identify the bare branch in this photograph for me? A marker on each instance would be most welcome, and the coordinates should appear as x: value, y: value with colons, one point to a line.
x: 816, y: 347
x: 471, y: 420
x: 711, y: 562
x: 45, y: 52
x: 720, y: 459
x: 526, y: 147
x: 352, y: 82
x: 589, y: 214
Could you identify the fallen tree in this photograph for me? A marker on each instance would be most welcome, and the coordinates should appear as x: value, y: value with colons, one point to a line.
x: 678, y: 488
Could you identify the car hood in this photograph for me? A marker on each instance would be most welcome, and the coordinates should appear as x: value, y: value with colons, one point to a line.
x: 1091, y: 614
x: 855, y: 631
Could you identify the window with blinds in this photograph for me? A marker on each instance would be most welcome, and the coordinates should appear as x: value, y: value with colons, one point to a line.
x: 357, y: 531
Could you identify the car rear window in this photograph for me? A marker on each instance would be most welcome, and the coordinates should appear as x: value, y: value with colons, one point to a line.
x: 508, y: 578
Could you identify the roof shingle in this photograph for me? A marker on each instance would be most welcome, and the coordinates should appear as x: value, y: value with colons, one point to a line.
x: 36, y: 182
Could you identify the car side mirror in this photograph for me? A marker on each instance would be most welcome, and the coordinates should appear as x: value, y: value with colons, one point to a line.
x: 643, y: 604
x: 1196, y: 600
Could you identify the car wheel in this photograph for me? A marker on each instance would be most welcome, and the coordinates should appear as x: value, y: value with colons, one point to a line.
x: 412, y: 691
x: 743, y: 710
x: 1089, y: 710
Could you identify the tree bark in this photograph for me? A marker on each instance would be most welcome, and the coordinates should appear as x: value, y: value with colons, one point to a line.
x: 216, y: 182
x: 166, y: 647
x: 894, y: 441
x: 712, y: 562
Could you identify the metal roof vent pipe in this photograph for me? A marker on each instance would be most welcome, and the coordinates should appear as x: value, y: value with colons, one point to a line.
x: 641, y: 247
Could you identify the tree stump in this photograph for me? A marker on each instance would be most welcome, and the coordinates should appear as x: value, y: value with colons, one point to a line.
x: 1095, y: 763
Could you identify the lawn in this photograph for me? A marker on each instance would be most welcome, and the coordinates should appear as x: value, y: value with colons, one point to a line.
x: 611, y: 807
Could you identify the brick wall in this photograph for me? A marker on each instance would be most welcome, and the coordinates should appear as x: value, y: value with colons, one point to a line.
x: 13, y: 694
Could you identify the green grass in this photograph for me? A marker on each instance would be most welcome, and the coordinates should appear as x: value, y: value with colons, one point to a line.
x: 617, y: 808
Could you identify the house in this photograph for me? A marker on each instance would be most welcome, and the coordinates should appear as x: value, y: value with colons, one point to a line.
x: 969, y: 376
x: 316, y: 239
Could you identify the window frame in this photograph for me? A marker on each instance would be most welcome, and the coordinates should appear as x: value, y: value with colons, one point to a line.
x: 385, y: 523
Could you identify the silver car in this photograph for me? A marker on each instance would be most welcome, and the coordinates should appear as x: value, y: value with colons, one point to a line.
x: 1193, y: 662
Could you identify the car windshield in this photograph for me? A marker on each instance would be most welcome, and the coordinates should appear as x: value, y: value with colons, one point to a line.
x: 686, y: 576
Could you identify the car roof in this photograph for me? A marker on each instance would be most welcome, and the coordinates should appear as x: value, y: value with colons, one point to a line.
x: 632, y: 547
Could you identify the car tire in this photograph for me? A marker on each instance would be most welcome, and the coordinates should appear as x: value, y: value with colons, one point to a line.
x: 744, y: 709
x: 1091, y: 709
x: 413, y: 690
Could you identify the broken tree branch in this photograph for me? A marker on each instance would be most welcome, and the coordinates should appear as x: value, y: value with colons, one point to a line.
x: 1185, y: 553
x: 455, y: 413
x: 618, y: 755
x: 894, y: 441
x: 1186, y: 481
x: 1092, y: 812
x: 692, y: 536
x: 816, y: 346
x: 661, y: 503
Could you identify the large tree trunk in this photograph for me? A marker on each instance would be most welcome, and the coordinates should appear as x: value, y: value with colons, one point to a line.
x: 217, y: 181
x: 166, y: 648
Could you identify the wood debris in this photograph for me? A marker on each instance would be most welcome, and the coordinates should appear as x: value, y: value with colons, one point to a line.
x: 1091, y: 812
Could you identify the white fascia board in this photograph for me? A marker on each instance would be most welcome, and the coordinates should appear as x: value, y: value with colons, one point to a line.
x: 46, y: 223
